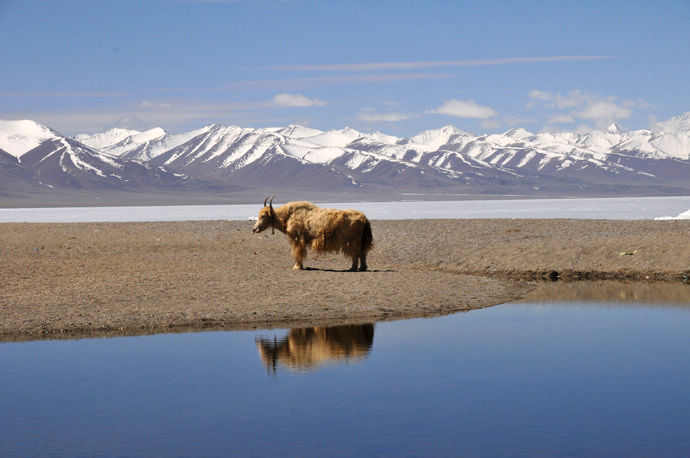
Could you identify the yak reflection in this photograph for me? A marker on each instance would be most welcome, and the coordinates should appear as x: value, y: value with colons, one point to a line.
x: 306, y: 349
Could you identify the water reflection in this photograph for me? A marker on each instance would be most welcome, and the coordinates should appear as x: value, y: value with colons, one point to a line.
x: 305, y: 349
x: 511, y: 380
x: 613, y: 292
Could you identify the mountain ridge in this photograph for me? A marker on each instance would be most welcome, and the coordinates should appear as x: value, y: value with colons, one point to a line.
x: 436, y: 160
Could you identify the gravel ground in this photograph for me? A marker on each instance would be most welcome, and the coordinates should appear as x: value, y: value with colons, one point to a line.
x: 86, y: 279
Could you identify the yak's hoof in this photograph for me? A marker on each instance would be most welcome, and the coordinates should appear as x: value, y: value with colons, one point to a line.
x: 297, y: 267
x: 363, y: 268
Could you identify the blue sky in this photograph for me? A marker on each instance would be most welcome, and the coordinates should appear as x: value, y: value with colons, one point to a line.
x: 399, y: 66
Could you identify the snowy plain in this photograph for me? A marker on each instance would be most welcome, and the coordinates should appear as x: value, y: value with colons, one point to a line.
x: 621, y: 208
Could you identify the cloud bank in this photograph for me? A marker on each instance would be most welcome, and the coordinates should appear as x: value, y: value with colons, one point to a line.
x: 464, y: 109
x: 382, y: 117
x: 431, y: 64
x: 580, y: 105
x: 296, y: 100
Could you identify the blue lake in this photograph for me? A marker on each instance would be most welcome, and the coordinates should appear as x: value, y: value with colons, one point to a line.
x: 529, y: 379
x: 585, y: 208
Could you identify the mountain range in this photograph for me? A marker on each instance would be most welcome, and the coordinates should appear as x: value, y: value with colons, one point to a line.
x: 34, y: 158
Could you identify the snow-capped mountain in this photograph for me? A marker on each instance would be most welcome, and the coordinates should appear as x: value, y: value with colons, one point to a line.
x: 45, y: 158
x: 655, y: 160
x: 18, y: 137
x: 441, y: 157
x: 668, y: 139
x: 140, y: 146
x: 105, y: 139
x: 64, y: 161
x: 436, y: 138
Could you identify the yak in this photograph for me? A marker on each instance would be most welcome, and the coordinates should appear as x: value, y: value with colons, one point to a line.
x: 320, y: 229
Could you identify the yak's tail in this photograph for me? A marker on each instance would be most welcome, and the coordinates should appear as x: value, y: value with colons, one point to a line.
x: 367, y: 237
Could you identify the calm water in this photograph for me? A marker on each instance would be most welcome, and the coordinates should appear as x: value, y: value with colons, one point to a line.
x: 608, y: 208
x: 534, y: 379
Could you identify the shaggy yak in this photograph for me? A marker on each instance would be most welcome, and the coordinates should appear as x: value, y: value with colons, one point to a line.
x: 321, y: 229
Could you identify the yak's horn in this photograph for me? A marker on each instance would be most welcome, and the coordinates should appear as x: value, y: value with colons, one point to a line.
x: 273, y: 214
x: 265, y: 201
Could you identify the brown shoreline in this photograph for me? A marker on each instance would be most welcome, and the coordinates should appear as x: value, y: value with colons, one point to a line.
x: 92, y: 279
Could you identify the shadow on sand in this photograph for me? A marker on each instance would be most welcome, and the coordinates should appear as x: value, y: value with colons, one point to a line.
x: 318, y: 269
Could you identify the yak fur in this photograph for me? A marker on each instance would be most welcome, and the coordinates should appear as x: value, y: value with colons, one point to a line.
x: 320, y: 229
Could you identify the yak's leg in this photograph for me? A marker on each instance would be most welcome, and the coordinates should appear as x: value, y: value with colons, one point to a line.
x: 352, y: 250
x: 299, y: 252
x: 363, y: 262
x: 360, y: 255
x: 353, y: 268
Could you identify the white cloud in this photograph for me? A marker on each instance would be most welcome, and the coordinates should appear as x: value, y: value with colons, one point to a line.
x: 572, y: 99
x: 67, y: 93
x: 296, y: 100
x: 603, y: 111
x: 580, y: 105
x: 539, y: 95
x: 148, y: 104
x: 464, y: 109
x: 431, y: 64
x: 382, y: 117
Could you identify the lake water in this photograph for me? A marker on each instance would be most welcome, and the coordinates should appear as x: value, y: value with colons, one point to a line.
x: 604, y: 208
x: 532, y: 379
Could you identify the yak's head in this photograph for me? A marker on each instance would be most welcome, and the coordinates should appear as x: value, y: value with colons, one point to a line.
x: 267, y: 217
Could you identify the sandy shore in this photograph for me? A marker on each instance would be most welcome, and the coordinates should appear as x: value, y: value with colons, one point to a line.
x: 133, y: 278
